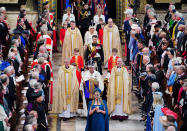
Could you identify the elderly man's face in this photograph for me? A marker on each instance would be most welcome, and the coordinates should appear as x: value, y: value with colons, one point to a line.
x: 110, y: 22
x: 91, y: 69
x: 119, y: 62
x: 66, y: 63
x: 72, y: 25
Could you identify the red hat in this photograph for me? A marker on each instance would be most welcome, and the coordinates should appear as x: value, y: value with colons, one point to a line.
x: 168, y: 112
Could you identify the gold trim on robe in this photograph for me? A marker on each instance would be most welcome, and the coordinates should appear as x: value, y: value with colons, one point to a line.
x: 124, y: 85
x: 116, y: 42
x: 69, y: 46
x: 60, y: 100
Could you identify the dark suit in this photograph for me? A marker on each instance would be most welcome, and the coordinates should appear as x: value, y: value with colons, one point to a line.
x: 42, y: 125
x: 91, y: 52
x: 16, y: 65
x: 11, y: 94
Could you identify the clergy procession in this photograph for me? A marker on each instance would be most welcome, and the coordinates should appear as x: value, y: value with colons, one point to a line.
x: 102, y: 71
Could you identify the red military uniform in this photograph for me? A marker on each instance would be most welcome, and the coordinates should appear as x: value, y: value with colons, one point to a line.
x: 35, y: 62
x: 112, y: 62
x: 49, y: 73
x: 80, y: 65
x: 78, y: 60
x: 62, y: 35
x: 100, y: 36
x: 51, y: 21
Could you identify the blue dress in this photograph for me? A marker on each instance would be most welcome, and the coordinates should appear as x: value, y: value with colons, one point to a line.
x: 97, y: 121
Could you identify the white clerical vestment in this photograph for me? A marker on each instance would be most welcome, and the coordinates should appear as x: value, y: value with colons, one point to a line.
x: 119, y: 92
x: 87, y: 76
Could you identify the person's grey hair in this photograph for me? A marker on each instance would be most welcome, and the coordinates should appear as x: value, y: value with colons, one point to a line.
x: 179, y: 14
x: 41, y: 60
x: 152, y: 14
x: 147, y: 6
x: 182, y: 67
x: 172, y: 7
x: 49, y: 32
x: 185, y: 84
x: 3, y: 78
x: 45, y: 55
x: 146, y: 58
x: 2, y: 9
x: 149, y: 65
x: 44, y: 30
x: 37, y: 85
x: 8, y: 69
x: 14, y: 41
x: 152, y: 10
x: 28, y: 127
x: 40, y: 55
x: 32, y: 82
x: 43, y: 48
x: 35, y: 74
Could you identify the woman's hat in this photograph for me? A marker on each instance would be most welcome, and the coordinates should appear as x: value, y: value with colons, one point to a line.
x: 168, y: 112
x: 134, y: 26
x: 129, y: 11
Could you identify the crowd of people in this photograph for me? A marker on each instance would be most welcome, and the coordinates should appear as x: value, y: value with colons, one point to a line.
x: 26, y: 80
x: 155, y: 57
x: 157, y: 54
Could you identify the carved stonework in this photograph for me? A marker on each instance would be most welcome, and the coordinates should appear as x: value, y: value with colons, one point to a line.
x: 9, y: 1
x: 167, y: 1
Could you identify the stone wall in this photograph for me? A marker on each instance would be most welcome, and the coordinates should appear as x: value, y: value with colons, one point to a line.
x: 13, y: 15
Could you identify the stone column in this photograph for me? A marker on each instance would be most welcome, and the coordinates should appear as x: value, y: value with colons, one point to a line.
x: 184, y: 6
x: 142, y: 5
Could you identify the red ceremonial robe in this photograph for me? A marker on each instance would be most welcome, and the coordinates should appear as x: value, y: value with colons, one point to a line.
x: 100, y: 36
x: 62, y: 35
x: 112, y: 62
x: 78, y: 60
x: 44, y: 66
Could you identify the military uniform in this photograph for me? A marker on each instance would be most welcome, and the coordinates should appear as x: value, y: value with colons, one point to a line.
x: 95, y: 52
